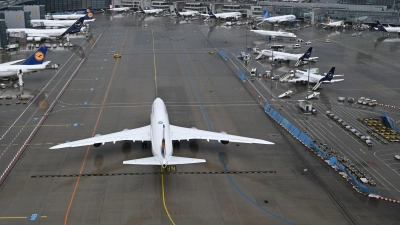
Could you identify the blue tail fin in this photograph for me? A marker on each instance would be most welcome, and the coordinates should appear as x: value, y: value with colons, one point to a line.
x: 140, y: 9
x: 253, y: 27
x: 306, y: 55
x: 176, y: 12
x: 76, y: 27
x: 329, y: 75
x: 380, y: 27
x: 37, y: 57
x: 89, y: 14
x: 265, y: 14
x: 210, y: 13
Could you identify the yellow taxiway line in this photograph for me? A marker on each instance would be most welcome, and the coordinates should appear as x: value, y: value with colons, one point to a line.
x: 163, y: 197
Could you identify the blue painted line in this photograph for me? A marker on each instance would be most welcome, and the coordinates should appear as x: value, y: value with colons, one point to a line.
x: 75, y: 124
x: 217, y: 146
x: 91, y: 89
x: 33, y: 217
x: 85, y: 103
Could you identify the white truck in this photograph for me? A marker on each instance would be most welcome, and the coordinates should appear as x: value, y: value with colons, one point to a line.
x: 12, y: 46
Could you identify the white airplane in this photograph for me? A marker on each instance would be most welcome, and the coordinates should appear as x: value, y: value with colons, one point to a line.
x: 283, y: 56
x: 186, y: 14
x: 161, y: 134
x: 120, y: 9
x: 34, y: 63
x: 150, y: 11
x: 58, y: 23
x: 74, y: 16
x: 228, y: 15
x: 40, y: 34
x: 273, y: 34
x: 333, y: 24
x: 387, y: 29
x: 303, y: 77
x: 277, y: 19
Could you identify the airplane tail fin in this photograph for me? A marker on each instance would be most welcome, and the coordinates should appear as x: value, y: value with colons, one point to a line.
x: 176, y: 12
x: 254, y: 27
x: 380, y: 27
x: 89, y: 14
x: 140, y: 9
x: 76, y: 27
x: 306, y: 55
x: 210, y: 13
x: 37, y: 57
x: 328, y: 77
x: 265, y: 14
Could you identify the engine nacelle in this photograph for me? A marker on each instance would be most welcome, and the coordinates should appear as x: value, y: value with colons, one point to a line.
x: 37, y: 38
x: 222, y: 141
x: 29, y: 38
x: 97, y: 144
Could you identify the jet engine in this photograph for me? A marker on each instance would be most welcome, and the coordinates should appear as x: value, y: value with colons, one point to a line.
x: 222, y: 141
x: 29, y: 38
x: 37, y: 38
x: 97, y: 144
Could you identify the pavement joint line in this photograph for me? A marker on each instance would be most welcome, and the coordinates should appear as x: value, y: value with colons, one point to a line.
x: 156, y: 173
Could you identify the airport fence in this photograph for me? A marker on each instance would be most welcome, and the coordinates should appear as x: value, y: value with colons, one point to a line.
x: 332, y: 160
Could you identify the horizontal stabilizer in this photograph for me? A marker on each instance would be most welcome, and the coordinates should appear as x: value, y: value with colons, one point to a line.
x: 174, y: 160
x: 144, y: 161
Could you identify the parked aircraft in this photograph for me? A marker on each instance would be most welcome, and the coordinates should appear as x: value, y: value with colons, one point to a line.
x: 283, y: 56
x: 33, y: 63
x: 58, y: 23
x: 150, y: 11
x: 74, y: 16
x: 228, y: 15
x: 186, y: 14
x: 162, y: 135
x: 333, y: 24
x: 40, y: 34
x: 120, y: 9
x: 304, y: 77
x: 272, y: 34
x: 387, y: 29
x: 277, y: 19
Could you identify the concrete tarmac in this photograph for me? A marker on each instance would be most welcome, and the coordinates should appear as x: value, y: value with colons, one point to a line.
x: 162, y: 57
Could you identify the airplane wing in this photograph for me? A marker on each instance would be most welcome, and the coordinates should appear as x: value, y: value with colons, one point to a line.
x: 333, y: 81
x: 182, y: 133
x: 12, y: 62
x: 138, y: 134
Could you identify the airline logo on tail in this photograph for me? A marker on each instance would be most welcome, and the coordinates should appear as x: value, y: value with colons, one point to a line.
x: 307, y: 54
x: 380, y: 27
x: 75, y: 28
x: 37, y: 57
x: 329, y: 75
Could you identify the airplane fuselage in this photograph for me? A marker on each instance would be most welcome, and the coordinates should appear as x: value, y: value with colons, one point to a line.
x: 45, y: 33
x: 275, y: 33
x: 277, y: 54
x: 55, y: 23
x: 227, y: 15
x: 161, y: 146
x: 68, y: 16
x: 12, y: 70
x: 278, y: 19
